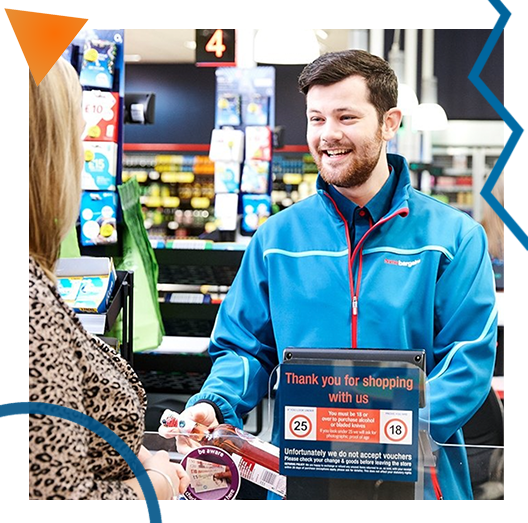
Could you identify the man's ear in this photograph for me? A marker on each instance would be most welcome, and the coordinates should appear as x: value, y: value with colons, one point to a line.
x: 391, y: 123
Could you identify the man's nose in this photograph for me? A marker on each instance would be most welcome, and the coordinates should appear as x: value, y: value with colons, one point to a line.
x: 331, y: 132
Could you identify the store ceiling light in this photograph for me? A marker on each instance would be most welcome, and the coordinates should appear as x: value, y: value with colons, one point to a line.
x: 286, y: 46
x: 407, y: 99
x: 429, y: 117
x: 132, y: 58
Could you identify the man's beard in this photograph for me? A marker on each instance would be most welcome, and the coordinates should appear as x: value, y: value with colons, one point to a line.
x: 358, y: 168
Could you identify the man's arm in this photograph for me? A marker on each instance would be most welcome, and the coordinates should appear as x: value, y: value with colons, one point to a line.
x: 466, y: 337
x: 242, y: 344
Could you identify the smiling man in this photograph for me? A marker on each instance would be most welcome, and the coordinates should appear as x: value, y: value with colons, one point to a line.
x: 346, y: 138
x: 366, y: 262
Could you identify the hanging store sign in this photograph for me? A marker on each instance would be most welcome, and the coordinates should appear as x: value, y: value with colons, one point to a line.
x: 215, y: 47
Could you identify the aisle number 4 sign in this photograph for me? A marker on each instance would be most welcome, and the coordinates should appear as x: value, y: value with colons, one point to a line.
x: 215, y: 47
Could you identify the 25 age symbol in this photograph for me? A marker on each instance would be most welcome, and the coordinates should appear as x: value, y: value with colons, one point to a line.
x: 300, y: 426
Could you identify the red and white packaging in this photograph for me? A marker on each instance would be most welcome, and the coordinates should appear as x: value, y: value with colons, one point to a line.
x: 101, y: 113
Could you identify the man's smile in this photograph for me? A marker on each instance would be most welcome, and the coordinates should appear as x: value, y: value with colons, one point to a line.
x: 336, y: 152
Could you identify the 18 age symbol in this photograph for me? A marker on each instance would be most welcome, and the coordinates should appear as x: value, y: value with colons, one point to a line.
x: 396, y: 430
x: 396, y: 427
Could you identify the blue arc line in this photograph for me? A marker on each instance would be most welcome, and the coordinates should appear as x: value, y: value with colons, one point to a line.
x: 35, y: 407
x: 516, y: 129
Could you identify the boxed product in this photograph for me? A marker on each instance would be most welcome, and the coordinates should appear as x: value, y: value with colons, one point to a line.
x: 258, y: 143
x: 255, y: 177
x: 100, y: 163
x: 100, y: 111
x: 226, y: 177
x: 98, y: 218
x: 226, y: 211
x: 256, y: 209
x: 228, y: 110
x: 86, y: 283
x: 257, y: 110
x: 98, y: 65
x: 227, y: 145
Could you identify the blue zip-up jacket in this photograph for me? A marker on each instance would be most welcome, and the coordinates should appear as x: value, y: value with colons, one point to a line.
x: 419, y: 278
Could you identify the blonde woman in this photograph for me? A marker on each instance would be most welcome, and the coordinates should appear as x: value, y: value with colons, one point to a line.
x: 493, y: 225
x: 68, y: 366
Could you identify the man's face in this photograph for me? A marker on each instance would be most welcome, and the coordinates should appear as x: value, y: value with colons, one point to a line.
x: 344, y: 135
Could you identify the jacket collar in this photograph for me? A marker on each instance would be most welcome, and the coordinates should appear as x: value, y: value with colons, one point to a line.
x: 401, y: 193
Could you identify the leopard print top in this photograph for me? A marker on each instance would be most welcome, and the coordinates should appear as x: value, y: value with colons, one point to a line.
x: 70, y: 367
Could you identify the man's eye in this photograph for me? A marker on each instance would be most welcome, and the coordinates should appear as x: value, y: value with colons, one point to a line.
x: 348, y: 117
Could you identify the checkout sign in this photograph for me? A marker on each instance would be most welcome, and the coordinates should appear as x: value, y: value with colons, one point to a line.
x: 215, y: 47
x: 349, y: 422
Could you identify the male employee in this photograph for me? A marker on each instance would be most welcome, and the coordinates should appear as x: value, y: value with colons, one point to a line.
x: 366, y: 262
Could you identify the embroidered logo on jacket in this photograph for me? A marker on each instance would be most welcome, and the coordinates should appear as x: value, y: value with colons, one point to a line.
x: 401, y: 263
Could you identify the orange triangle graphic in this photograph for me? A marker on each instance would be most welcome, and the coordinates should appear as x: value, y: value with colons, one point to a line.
x: 43, y: 38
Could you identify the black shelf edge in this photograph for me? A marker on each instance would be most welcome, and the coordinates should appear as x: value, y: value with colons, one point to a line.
x: 198, y: 257
x: 191, y: 311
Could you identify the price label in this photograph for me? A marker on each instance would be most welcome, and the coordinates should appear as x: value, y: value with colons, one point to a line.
x: 215, y: 47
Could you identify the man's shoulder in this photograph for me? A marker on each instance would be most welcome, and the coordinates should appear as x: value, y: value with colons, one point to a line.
x: 296, y: 211
x: 427, y: 203
x: 441, y: 220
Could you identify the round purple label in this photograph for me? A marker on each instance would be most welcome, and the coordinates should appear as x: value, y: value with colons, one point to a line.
x: 214, y: 475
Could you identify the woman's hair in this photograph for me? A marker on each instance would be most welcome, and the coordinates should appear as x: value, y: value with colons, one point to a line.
x: 331, y: 68
x: 55, y: 161
x: 492, y: 224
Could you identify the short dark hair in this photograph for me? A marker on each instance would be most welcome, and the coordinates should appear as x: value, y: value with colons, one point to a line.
x: 331, y: 68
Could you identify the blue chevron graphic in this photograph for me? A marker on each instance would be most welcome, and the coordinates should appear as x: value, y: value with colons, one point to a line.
x: 516, y: 129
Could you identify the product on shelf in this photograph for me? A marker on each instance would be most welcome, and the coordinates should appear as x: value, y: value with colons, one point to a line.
x: 98, y: 218
x: 100, y: 111
x: 255, y: 177
x: 177, y: 192
x: 256, y: 209
x: 258, y: 461
x: 99, y: 172
x: 228, y: 110
x: 227, y: 177
x: 98, y: 56
x: 258, y: 143
x: 245, y: 99
x: 257, y: 110
x: 226, y: 211
x: 98, y: 63
x: 227, y: 145
x: 86, y: 284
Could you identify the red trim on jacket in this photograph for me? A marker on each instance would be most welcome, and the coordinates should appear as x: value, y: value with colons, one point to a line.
x: 404, y: 211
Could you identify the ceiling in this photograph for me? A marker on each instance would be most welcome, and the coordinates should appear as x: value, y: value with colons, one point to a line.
x: 175, y: 45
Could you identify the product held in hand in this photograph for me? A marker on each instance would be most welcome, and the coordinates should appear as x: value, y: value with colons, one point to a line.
x: 257, y: 460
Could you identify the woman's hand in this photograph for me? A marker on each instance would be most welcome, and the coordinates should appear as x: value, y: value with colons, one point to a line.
x: 160, y: 462
x: 144, y: 454
x: 162, y: 473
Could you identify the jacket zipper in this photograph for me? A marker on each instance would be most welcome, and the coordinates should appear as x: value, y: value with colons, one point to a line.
x: 359, y: 248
